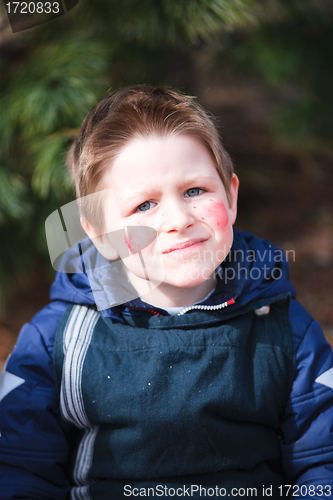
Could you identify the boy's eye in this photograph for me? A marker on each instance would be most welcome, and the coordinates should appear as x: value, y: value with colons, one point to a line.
x: 193, y: 192
x: 145, y: 206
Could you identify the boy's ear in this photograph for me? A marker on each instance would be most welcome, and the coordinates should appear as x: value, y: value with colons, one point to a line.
x: 101, y: 241
x: 233, y: 197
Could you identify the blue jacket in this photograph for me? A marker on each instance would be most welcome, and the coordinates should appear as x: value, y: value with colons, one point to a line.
x: 33, y: 446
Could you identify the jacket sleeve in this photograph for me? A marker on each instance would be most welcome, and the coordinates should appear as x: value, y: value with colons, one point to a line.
x: 33, y: 446
x: 307, y: 427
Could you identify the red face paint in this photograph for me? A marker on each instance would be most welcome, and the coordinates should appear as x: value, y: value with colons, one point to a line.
x: 217, y: 212
x: 127, y: 241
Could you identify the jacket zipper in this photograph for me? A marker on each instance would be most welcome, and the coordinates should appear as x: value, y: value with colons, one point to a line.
x: 207, y: 308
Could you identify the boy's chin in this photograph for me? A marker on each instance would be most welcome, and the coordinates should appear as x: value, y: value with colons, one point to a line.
x: 188, y: 280
x: 169, y: 280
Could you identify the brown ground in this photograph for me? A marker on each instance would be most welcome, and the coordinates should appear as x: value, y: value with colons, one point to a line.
x: 284, y: 197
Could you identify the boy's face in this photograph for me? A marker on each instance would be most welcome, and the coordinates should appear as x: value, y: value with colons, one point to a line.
x: 171, y: 184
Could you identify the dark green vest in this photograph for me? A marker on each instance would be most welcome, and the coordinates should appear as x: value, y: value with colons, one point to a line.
x: 175, y: 401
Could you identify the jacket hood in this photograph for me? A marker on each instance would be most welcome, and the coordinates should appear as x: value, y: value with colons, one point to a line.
x: 254, y: 270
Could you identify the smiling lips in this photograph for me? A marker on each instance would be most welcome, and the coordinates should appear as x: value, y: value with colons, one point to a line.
x: 185, y: 244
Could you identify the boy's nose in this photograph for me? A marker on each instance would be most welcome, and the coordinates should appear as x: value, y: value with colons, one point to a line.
x: 176, y: 216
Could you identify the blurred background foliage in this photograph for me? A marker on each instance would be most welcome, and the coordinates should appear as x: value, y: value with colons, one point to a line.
x: 53, y: 74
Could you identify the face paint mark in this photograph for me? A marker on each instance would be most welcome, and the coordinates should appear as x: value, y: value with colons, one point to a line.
x: 218, y: 213
x: 127, y: 241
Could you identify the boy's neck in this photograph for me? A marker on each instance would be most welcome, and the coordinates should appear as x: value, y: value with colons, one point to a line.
x: 166, y: 295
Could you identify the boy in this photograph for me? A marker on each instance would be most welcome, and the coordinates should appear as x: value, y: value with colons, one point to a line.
x: 198, y: 374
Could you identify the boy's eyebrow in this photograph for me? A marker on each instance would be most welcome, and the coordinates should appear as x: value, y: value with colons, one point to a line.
x: 146, y: 193
x: 196, y: 180
x: 191, y: 180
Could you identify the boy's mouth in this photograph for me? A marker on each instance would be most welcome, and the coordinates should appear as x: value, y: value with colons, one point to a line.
x: 185, y: 244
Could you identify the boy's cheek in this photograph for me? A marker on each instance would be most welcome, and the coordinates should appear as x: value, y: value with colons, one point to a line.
x: 139, y: 238
x: 146, y: 259
x: 215, y: 213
